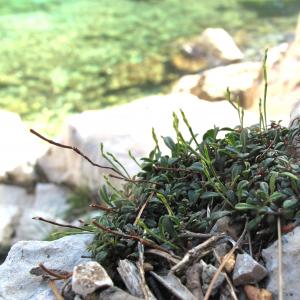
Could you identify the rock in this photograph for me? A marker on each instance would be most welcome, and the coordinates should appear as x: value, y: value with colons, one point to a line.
x: 88, y: 277
x: 50, y: 202
x: 208, y: 272
x: 128, y: 127
x: 13, y: 202
x: 115, y: 293
x: 16, y: 280
x: 224, y: 225
x: 283, y: 80
x: 9, y: 220
x: 212, y: 48
x: 247, y: 270
x: 254, y: 293
x: 230, y: 262
x: 213, y: 83
x: 290, y: 265
x: 19, y: 151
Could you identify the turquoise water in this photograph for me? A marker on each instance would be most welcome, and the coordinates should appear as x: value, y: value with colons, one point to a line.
x: 62, y: 56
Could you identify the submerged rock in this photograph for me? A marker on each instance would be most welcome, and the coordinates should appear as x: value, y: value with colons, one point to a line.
x: 18, y: 281
x: 212, y: 48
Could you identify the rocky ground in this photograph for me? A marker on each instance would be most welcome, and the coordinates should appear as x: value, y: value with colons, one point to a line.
x: 37, y: 178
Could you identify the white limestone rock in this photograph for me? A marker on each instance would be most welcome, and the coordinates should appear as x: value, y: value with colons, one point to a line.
x: 220, y: 43
x: 16, y: 280
x: 128, y: 127
x: 19, y: 150
x: 50, y: 202
x: 88, y: 277
x: 290, y: 265
x: 13, y: 202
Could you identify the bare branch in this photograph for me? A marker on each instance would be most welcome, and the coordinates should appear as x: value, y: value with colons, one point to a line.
x: 77, y: 151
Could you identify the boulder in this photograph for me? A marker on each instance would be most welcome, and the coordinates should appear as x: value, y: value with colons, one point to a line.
x: 213, y: 83
x: 290, y: 265
x: 19, y: 150
x: 128, y: 127
x: 20, y: 278
x: 13, y: 202
x: 50, y: 202
x: 212, y: 48
x: 283, y: 80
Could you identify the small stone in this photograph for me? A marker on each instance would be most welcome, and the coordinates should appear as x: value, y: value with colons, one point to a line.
x: 223, y: 225
x: 115, y: 293
x: 207, y: 275
x: 254, y: 293
x: 247, y: 270
x: 88, y: 277
x: 229, y: 265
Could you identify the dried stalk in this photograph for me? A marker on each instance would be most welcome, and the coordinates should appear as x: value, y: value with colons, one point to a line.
x: 140, y: 211
x: 63, y: 275
x: 230, y: 285
x: 196, y: 253
x: 78, y: 152
x: 280, y: 278
x: 55, y: 290
x: 145, y: 242
x: 61, y: 225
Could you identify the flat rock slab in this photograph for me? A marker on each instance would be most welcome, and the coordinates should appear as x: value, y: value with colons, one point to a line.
x: 16, y: 281
x: 290, y: 265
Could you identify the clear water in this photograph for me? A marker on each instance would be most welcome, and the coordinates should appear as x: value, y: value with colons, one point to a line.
x: 62, y: 56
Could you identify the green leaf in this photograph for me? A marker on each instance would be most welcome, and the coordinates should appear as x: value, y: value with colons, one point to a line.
x: 245, y: 206
x: 219, y: 214
x: 272, y: 181
x: 244, y: 138
x: 290, y: 175
x: 197, y: 166
x: 207, y: 195
x: 264, y: 187
x: 276, y: 196
x: 290, y: 203
x: 254, y: 222
x: 169, y: 143
x: 166, y: 226
x: 242, y: 185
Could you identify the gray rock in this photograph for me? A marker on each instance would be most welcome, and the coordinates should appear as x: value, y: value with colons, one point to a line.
x: 247, y: 270
x: 88, y: 277
x: 114, y: 293
x: 16, y: 281
x: 13, y: 201
x: 19, y: 150
x: 50, y: 202
x: 290, y: 265
x: 208, y: 272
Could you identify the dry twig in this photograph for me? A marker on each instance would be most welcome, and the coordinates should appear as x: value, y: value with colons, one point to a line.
x: 60, y: 224
x: 78, y: 152
x: 196, y: 253
x: 137, y: 238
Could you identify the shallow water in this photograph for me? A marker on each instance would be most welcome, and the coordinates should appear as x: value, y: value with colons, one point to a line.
x: 61, y: 56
